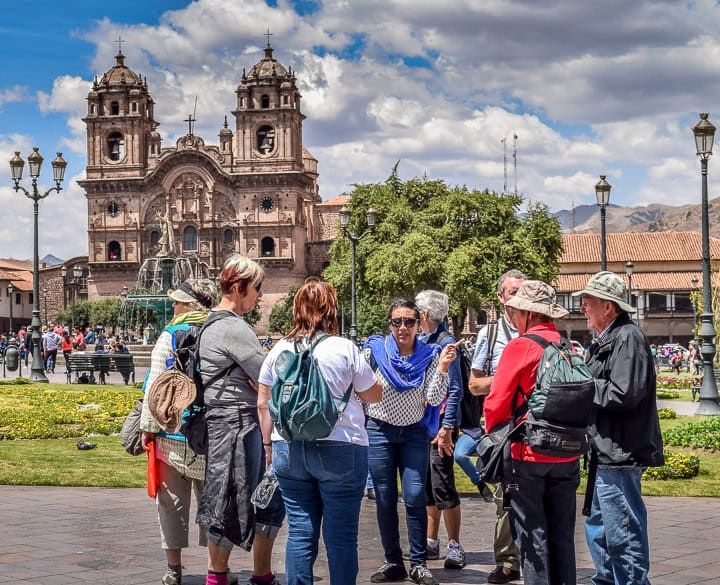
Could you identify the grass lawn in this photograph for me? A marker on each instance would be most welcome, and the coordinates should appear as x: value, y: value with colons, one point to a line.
x: 40, y: 426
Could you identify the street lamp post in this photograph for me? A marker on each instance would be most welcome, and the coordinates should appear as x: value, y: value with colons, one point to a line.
x: 45, y: 298
x: 629, y: 267
x: 124, y: 295
x: 37, y: 371
x: 694, y: 283
x: 11, y: 290
x: 602, y: 193
x: 704, y: 133
x: 354, y: 239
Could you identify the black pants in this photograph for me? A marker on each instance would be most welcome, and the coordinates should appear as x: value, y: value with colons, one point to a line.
x: 542, y: 512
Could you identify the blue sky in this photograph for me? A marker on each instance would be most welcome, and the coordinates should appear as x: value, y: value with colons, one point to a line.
x: 589, y: 88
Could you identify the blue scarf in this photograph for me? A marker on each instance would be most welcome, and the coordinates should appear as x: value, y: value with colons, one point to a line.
x: 403, y: 374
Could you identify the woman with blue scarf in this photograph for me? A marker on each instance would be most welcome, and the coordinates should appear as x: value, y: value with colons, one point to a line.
x: 414, y: 377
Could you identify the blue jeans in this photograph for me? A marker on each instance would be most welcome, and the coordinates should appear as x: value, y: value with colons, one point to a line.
x: 403, y: 449
x: 464, y: 449
x: 616, y: 529
x: 542, y: 512
x: 322, y: 483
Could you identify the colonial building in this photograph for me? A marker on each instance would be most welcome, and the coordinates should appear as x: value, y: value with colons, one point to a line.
x: 661, y: 269
x: 254, y: 192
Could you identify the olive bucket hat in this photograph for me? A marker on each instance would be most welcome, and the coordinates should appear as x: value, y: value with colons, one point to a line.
x: 609, y: 287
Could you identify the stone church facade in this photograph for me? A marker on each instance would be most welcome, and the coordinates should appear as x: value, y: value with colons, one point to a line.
x: 255, y: 192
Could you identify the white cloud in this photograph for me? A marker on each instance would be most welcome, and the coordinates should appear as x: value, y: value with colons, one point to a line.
x: 17, y: 93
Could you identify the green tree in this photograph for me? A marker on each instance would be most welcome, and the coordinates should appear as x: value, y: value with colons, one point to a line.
x: 431, y: 235
x: 104, y: 312
x: 281, y: 317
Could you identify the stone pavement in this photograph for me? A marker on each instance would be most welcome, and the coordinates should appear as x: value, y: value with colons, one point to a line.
x: 58, y: 536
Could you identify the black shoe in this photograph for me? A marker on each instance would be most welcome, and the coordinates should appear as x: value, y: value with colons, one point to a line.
x: 371, y: 494
x: 421, y: 575
x: 389, y: 573
x: 503, y: 575
x: 485, y: 492
x: 83, y: 446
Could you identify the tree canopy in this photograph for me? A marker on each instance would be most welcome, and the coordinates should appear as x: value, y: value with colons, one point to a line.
x: 429, y: 235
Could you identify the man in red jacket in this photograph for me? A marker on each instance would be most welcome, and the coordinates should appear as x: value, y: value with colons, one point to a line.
x: 542, y: 509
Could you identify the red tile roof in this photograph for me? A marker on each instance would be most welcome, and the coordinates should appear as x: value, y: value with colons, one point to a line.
x: 647, y: 281
x: 636, y: 246
x: 339, y: 200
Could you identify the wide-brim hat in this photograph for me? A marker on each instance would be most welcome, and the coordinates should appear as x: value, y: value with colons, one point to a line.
x: 609, y: 287
x: 186, y: 293
x: 537, y: 297
x: 170, y: 394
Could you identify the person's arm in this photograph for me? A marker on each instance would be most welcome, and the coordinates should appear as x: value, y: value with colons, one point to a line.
x: 367, y: 385
x: 451, y: 417
x: 479, y: 382
x: 630, y: 370
x: 161, y: 351
x: 436, y: 378
x: 266, y: 424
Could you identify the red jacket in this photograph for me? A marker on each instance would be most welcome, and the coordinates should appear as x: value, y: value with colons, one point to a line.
x: 517, y: 368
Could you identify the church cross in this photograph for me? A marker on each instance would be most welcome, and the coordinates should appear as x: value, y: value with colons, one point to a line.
x: 190, y: 119
x: 120, y: 42
x: 268, y: 34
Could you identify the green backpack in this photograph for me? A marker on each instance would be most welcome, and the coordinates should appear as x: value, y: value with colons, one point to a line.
x: 560, y: 407
x: 302, y: 406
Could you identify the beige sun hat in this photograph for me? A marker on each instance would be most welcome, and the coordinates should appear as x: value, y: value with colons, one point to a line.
x: 538, y: 297
x: 607, y: 286
x: 170, y: 394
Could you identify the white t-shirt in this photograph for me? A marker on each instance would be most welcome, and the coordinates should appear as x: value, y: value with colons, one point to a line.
x: 341, y: 364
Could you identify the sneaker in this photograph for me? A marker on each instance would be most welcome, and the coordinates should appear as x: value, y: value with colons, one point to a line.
x: 389, y: 573
x: 455, y: 558
x: 485, y: 492
x: 433, y: 550
x: 503, y: 575
x: 275, y: 581
x: 421, y: 574
x: 172, y: 577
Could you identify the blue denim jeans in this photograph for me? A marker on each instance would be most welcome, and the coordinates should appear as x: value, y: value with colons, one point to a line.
x: 322, y: 484
x: 464, y: 449
x: 403, y: 449
x: 542, y: 512
x: 616, y: 529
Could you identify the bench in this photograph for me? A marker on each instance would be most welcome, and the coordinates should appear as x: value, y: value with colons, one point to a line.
x: 103, y: 363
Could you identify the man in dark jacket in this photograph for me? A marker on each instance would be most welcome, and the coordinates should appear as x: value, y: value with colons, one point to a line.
x: 625, y: 436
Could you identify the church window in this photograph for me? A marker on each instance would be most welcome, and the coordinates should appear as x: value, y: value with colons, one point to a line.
x: 115, y: 146
x: 133, y: 106
x: 265, y: 102
x: 93, y: 108
x: 114, y: 108
x: 267, y: 246
x: 266, y: 139
x: 228, y: 237
x: 190, y: 238
x: 154, y: 238
x: 285, y: 100
x: 114, y: 253
x: 242, y: 102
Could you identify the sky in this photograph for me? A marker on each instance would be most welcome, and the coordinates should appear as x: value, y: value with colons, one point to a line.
x: 565, y: 89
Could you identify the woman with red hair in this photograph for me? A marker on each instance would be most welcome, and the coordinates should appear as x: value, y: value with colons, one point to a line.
x: 323, y: 481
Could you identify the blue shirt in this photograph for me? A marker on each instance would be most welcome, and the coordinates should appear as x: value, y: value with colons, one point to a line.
x: 451, y: 415
x: 481, y: 347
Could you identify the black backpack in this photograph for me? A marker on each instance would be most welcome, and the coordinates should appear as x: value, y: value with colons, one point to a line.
x: 471, y: 406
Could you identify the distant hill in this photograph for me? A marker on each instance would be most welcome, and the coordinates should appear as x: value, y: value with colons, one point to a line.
x: 655, y: 217
x: 51, y: 260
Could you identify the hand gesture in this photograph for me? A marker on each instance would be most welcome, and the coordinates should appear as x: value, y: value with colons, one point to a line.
x: 447, y: 356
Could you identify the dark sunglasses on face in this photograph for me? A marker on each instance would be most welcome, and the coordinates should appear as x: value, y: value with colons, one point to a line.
x: 407, y: 321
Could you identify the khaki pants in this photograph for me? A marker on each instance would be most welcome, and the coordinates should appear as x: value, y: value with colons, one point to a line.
x: 173, y: 505
x: 506, y: 553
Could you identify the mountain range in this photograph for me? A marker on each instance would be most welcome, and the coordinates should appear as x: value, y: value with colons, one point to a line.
x: 655, y: 217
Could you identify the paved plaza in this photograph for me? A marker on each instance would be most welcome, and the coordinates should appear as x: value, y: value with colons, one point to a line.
x: 58, y: 536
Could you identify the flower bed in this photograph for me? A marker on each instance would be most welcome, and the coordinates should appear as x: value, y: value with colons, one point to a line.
x: 704, y: 434
x: 53, y: 411
x: 666, y: 413
x: 678, y: 465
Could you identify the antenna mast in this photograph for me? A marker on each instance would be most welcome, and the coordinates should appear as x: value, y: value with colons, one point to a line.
x: 504, y: 143
x: 515, y: 137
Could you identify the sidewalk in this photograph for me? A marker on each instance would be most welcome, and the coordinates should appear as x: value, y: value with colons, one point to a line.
x: 58, y: 536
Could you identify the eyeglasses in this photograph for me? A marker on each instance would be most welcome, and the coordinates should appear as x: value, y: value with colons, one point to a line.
x: 407, y: 321
x: 258, y: 286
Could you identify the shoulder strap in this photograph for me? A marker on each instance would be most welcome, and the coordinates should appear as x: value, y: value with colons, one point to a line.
x: 541, y: 341
x: 506, y: 329
x: 492, y: 329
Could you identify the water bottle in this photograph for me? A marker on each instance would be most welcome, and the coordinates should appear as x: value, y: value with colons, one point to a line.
x: 265, y: 490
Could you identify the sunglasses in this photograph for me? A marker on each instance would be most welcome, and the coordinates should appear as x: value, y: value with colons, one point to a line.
x: 407, y: 321
x: 258, y: 286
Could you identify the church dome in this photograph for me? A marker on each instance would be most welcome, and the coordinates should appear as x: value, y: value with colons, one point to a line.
x: 120, y: 74
x: 268, y: 67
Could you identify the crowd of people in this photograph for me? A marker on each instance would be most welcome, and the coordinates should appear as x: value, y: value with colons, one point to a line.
x: 410, y: 417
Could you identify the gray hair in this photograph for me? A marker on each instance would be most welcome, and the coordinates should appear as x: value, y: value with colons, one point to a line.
x: 509, y: 274
x: 435, y: 303
x: 207, y: 290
